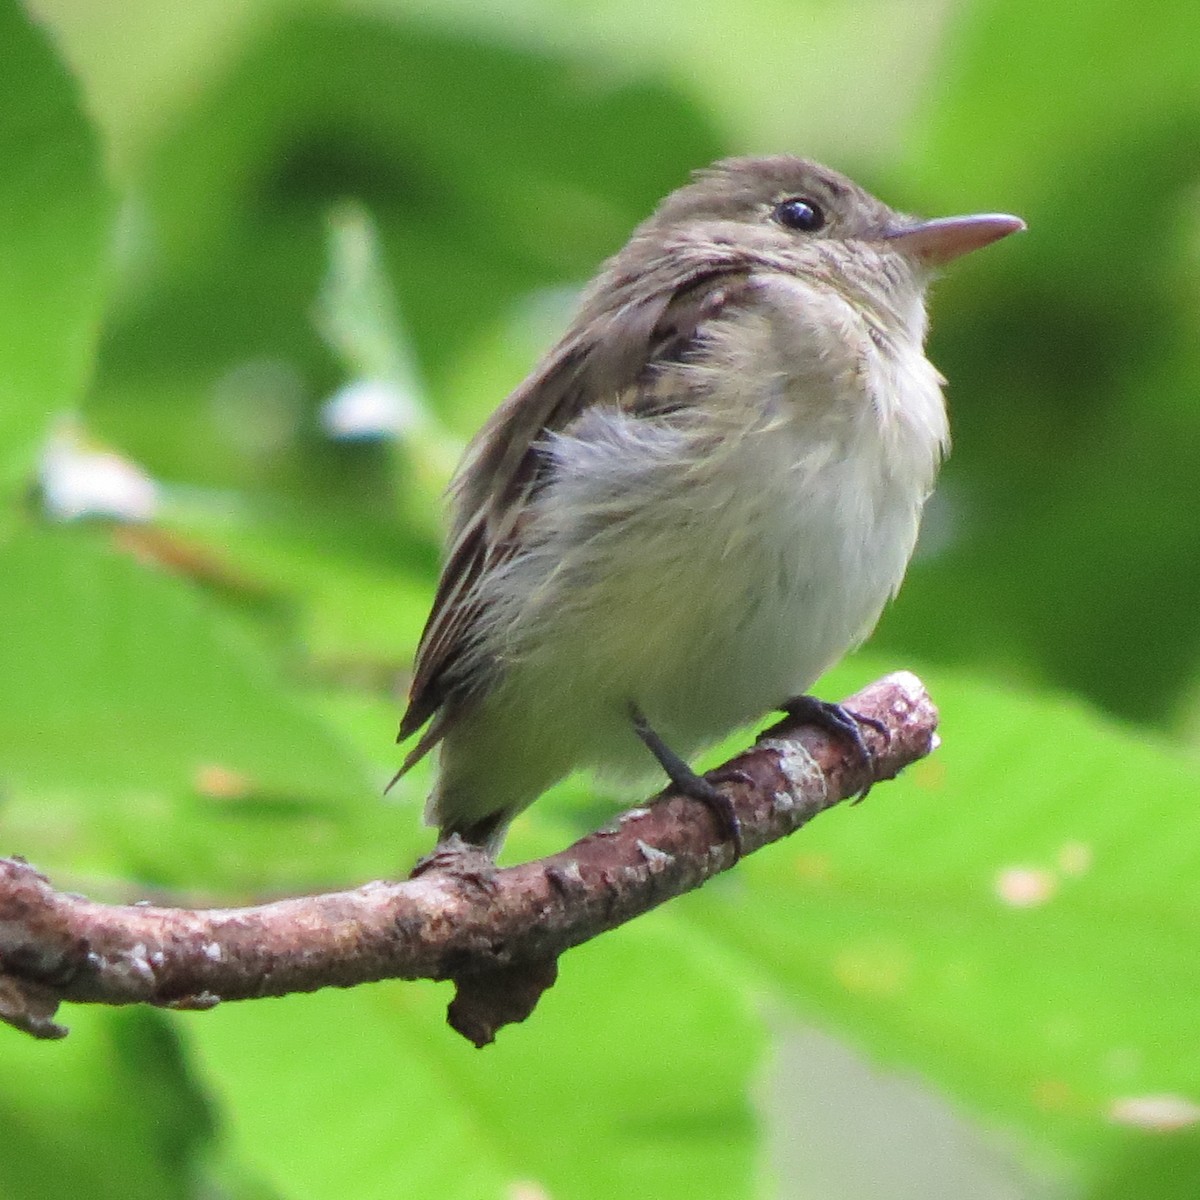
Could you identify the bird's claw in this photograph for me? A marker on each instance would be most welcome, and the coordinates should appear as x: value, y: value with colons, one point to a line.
x: 460, y: 860
x: 842, y: 722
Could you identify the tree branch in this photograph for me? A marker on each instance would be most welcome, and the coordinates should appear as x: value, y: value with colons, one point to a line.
x: 497, y: 934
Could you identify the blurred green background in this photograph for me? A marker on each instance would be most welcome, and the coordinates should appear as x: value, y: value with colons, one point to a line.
x: 265, y: 265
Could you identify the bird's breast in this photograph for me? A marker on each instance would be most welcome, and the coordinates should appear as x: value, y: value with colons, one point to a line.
x: 709, y: 563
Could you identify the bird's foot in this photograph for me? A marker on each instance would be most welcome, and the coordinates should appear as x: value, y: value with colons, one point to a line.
x: 461, y: 860
x: 697, y: 787
x: 839, y: 721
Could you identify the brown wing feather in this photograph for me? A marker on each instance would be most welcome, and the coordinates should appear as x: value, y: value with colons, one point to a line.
x: 500, y: 469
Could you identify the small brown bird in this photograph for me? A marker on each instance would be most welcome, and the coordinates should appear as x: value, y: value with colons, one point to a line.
x: 699, y: 500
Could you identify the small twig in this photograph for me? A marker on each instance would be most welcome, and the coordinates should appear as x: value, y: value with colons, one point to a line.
x: 499, y: 943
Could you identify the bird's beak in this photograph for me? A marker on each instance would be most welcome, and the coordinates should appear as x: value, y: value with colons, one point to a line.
x: 936, y: 242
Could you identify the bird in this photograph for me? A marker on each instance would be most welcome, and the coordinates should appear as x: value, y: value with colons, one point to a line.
x: 699, y: 500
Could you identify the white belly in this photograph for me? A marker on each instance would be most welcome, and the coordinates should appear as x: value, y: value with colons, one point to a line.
x: 706, y: 596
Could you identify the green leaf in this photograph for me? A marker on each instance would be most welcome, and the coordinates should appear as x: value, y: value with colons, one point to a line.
x: 356, y: 315
x: 1016, y: 918
x: 353, y: 598
x: 132, y: 706
x: 55, y: 215
x: 1069, y: 539
x: 113, y: 1113
x: 630, y: 1079
x: 122, y: 677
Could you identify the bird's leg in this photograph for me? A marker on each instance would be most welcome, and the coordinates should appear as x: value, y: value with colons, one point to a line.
x: 462, y: 859
x: 688, y: 783
x: 839, y: 721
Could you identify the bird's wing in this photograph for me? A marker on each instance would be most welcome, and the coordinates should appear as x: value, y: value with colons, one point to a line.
x: 504, y: 464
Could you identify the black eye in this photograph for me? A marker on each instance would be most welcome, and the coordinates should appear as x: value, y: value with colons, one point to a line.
x: 799, y: 213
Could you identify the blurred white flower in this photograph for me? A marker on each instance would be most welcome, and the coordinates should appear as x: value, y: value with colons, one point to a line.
x: 368, y: 409
x: 1162, y: 1113
x: 82, y: 480
x: 1025, y: 887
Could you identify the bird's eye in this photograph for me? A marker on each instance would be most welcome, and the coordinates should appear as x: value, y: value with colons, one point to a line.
x: 799, y: 213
